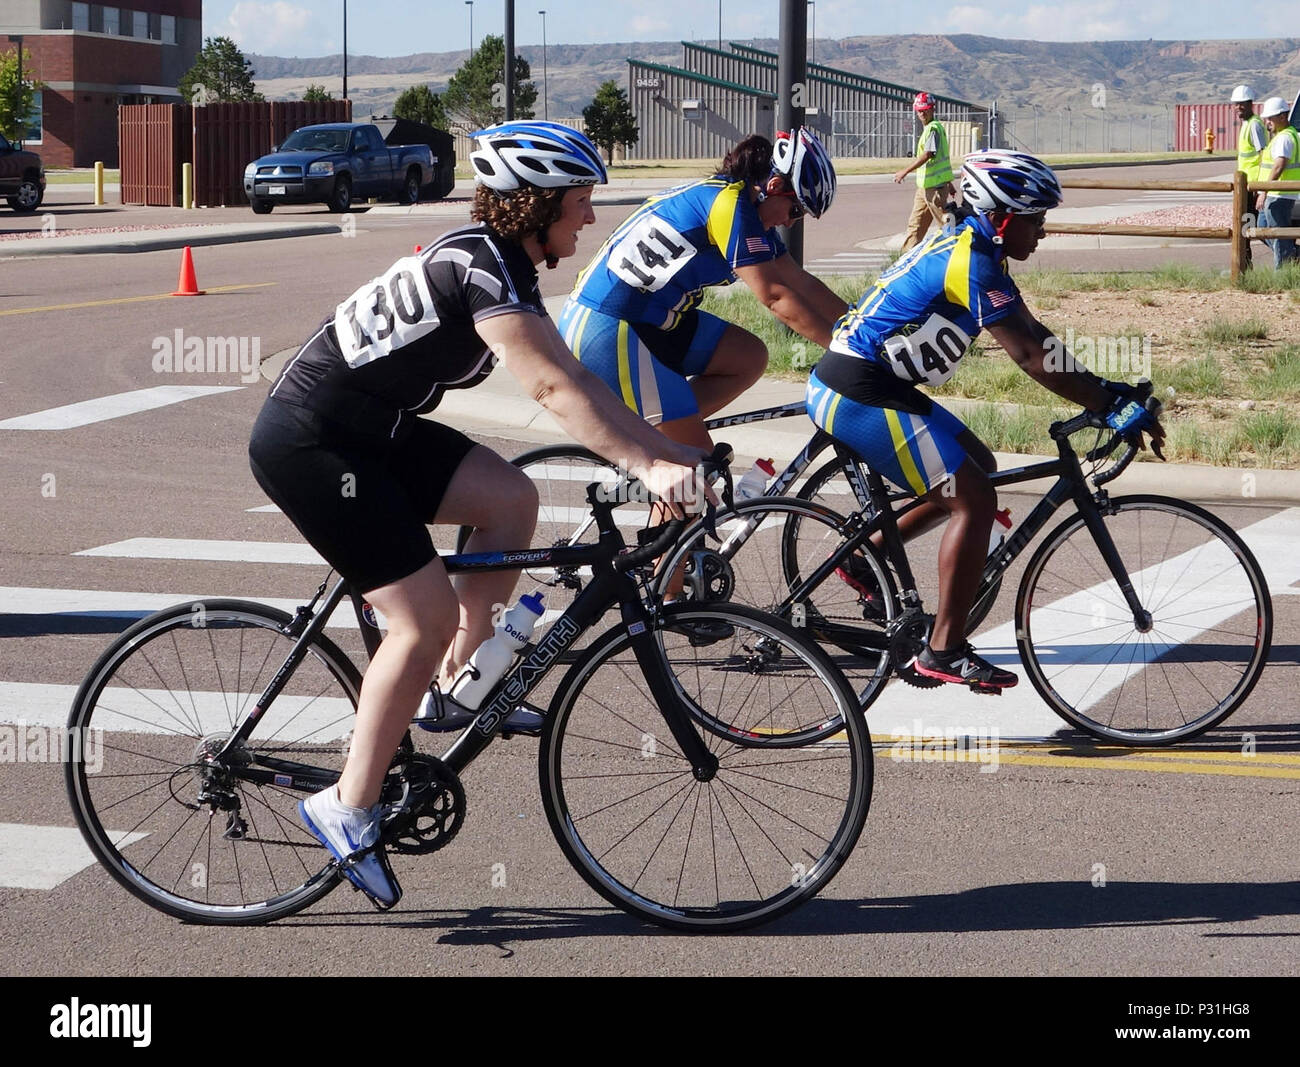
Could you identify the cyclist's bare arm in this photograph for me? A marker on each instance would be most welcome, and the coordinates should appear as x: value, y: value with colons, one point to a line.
x: 795, y: 297
x: 1027, y: 341
x: 585, y: 407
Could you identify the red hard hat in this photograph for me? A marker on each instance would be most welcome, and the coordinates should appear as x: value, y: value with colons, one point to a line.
x: 923, y: 102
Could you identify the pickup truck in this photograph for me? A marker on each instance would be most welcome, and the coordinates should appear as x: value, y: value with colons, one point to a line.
x: 22, y: 177
x: 335, y: 164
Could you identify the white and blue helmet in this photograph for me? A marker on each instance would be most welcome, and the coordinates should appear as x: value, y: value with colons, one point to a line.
x: 1014, y: 182
x: 546, y: 155
x: 800, y: 159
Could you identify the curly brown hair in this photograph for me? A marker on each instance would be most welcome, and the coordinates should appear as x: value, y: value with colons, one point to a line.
x: 517, y: 214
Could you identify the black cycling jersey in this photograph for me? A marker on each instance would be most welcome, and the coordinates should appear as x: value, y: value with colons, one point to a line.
x: 395, y: 345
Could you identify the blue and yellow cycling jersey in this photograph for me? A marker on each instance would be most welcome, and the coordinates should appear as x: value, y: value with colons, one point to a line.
x: 654, y: 267
x: 922, y: 314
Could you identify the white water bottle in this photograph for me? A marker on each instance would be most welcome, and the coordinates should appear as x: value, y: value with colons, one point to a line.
x: 494, y: 656
x: 490, y: 659
x: 1001, y: 526
x: 754, y: 483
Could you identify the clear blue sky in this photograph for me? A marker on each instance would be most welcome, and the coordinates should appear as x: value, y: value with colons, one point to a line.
x: 401, y: 27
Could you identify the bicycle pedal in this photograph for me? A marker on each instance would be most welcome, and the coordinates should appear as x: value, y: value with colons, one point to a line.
x: 987, y: 690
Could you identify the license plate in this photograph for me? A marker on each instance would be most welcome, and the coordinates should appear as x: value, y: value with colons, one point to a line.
x: 275, y: 190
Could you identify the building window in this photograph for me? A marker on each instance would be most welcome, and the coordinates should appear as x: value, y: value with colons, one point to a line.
x: 81, y: 16
x: 110, y: 21
x: 34, y: 129
x: 169, y: 29
x: 141, y: 26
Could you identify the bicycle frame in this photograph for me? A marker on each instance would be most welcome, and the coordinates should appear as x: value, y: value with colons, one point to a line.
x: 1070, y: 484
x: 612, y: 583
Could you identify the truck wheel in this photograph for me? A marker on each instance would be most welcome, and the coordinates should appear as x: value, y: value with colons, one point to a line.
x: 341, y: 198
x: 29, y: 196
x: 261, y: 207
x: 411, y: 187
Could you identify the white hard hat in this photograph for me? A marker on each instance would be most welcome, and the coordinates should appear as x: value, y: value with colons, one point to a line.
x: 1243, y: 94
x: 1274, y: 105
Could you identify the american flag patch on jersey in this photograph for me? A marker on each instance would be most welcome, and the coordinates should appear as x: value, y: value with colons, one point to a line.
x: 1000, y: 299
x: 757, y: 244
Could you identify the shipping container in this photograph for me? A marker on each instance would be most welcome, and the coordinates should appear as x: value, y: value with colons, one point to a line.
x: 1192, y: 120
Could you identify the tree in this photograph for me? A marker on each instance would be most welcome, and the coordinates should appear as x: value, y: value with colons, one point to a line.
x: 222, y: 71
x: 316, y: 93
x: 609, y: 118
x: 420, y: 104
x: 476, y: 93
x: 17, y: 101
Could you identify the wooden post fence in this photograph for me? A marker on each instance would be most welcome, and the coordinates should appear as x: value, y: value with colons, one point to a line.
x: 1239, y: 233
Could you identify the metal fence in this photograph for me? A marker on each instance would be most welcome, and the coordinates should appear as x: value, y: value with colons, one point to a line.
x: 892, y: 133
x: 461, y: 131
x: 1085, y: 130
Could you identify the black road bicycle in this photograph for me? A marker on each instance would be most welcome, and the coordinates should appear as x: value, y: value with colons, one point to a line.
x: 1147, y: 645
x: 668, y: 765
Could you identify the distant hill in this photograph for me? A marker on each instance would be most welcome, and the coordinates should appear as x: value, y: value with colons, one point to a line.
x: 1139, y: 76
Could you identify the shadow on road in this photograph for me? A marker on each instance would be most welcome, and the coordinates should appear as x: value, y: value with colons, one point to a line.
x: 1000, y: 908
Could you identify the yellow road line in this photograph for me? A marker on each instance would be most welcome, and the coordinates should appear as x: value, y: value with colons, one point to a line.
x: 127, y: 299
x: 1177, y: 761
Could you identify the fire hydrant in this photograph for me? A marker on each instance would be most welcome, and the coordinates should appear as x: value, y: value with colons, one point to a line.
x: 1209, y: 141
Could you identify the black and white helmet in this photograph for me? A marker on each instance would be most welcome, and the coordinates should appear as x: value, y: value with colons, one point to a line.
x: 547, y: 155
x: 1014, y: 182
x: 802, y: 161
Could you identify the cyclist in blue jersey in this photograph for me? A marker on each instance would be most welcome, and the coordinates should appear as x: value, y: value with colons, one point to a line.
x: 911, y: 329
x: 340, y: 447
x: 633, y: 316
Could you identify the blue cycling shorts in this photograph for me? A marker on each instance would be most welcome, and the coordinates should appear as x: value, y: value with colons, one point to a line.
x: 646, y: 366
x: 915, y: 452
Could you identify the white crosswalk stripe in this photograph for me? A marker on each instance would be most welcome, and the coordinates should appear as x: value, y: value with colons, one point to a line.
x: 849, y: 263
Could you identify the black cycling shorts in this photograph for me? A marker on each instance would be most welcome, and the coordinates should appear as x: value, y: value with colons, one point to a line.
x: 363, y: 502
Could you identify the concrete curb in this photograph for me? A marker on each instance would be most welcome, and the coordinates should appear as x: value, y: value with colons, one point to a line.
x: 158, y: 240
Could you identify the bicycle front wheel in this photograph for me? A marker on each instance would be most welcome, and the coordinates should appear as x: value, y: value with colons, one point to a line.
x: 1207, y: 642
x: 768, y: 831
x: 769, y: 547
x: 202, y: 838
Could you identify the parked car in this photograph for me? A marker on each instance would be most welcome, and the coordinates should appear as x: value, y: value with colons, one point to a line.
x: 22, y: 177
x: 334, y: 164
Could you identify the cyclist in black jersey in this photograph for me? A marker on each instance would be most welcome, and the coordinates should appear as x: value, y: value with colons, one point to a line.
x: 341, y: 448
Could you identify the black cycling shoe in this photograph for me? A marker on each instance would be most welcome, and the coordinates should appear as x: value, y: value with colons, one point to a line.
x: 963, y: 667
x: 858, y: 576
x: 702, y: 632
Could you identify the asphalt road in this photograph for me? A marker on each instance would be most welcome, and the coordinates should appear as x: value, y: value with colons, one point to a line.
x: 1067, y: 860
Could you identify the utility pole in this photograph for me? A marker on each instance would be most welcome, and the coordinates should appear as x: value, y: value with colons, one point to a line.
x: 791, y: 90
x: 345, y: 49
x: 546, y: 101
x: 510, y: 60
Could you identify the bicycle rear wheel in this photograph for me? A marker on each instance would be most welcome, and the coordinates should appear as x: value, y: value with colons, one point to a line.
x: 828, y: 486
x: 767, y: 832
x: 769, y: 547
x: 1211, y: 628
x: 198, y: 839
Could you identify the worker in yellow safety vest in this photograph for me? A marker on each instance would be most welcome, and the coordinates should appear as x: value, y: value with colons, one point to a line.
x: 1251, y: 139
x: 1281, y: 162
x: 933, y: 173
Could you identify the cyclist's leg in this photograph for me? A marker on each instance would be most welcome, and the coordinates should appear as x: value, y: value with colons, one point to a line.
x: 420, y: 611
x: 734, y: 360
x: 502, y: 519
x: 922, y: 519
x: 969, y: 500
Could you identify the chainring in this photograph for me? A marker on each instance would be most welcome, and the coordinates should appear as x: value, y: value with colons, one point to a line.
x: 708, y: 576
x: 429, y: 806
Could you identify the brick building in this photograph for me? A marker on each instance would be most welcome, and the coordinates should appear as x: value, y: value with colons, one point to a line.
x: 93, y: 57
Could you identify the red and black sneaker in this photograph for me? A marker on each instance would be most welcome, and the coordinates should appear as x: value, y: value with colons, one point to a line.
x: 857, y: 575
x: 963, y: 667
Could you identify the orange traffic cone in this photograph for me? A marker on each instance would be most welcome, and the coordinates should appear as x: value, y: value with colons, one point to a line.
x: 417, y: 250
x: 188, y: 285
